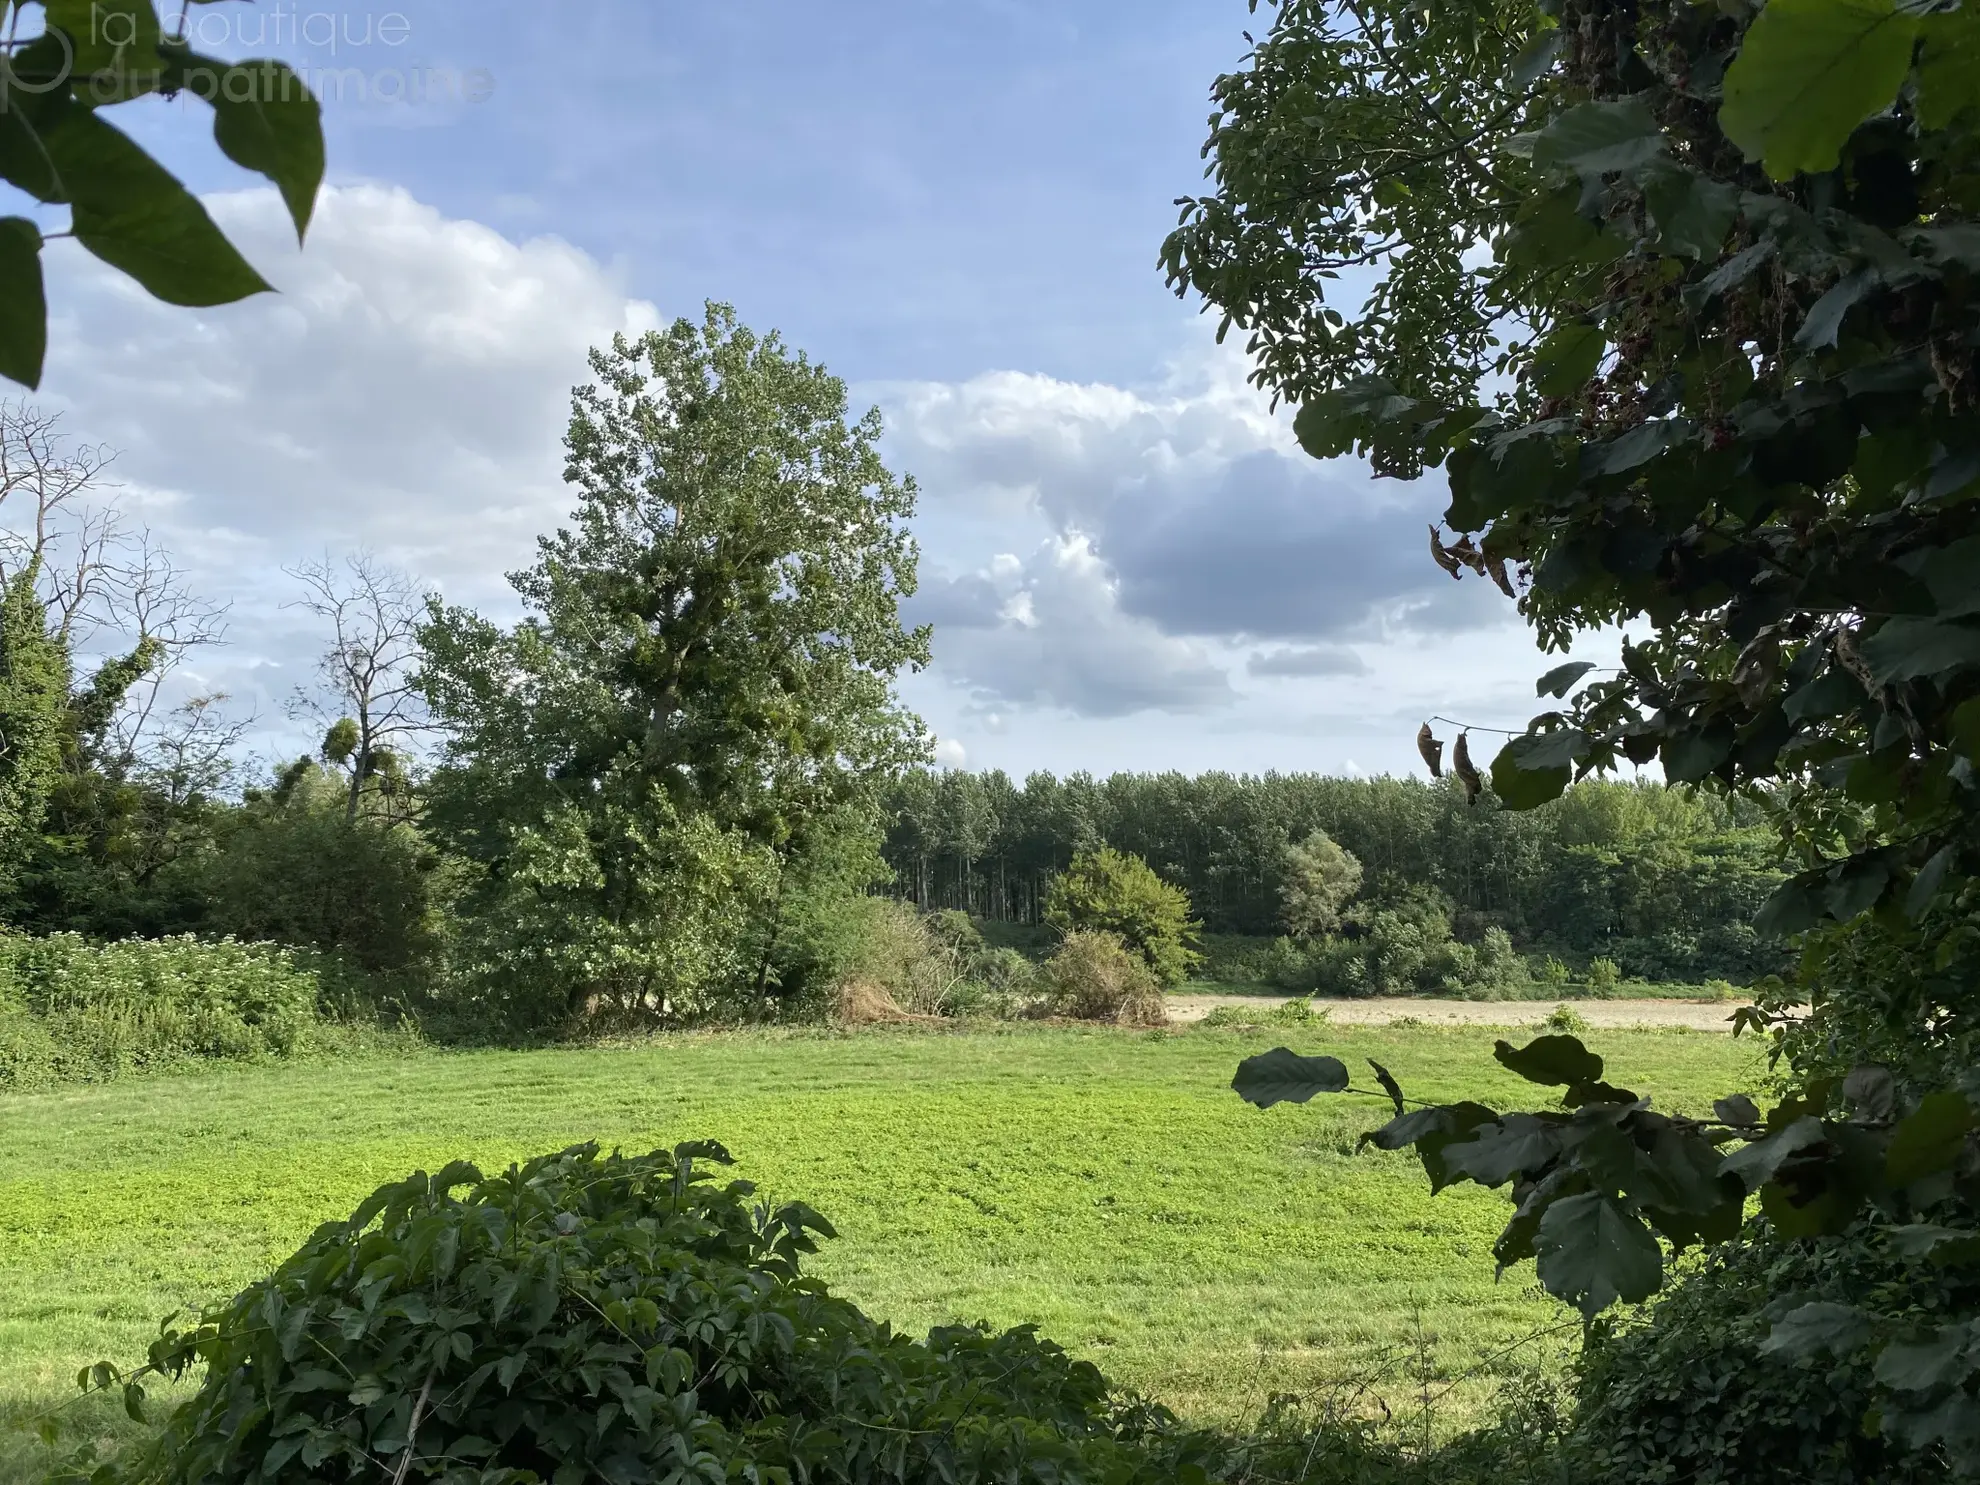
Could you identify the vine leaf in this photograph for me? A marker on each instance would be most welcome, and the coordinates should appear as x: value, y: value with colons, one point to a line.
x: 1807, y: 73
x: 1283, y: 1076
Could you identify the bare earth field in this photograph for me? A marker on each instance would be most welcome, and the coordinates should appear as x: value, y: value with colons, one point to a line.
x: 1694, y: 1015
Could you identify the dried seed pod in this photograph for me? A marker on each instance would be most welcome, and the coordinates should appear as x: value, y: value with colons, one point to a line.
x: 1431, y: 750
x: 1443, y: 558
x: 1466, y: 770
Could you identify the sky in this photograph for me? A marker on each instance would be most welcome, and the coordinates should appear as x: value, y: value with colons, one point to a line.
x: 955, y: 205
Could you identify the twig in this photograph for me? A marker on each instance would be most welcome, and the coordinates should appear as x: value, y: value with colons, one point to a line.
x: 412, y: 1428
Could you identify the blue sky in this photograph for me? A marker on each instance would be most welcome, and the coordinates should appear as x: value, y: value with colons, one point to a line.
x: 955, y: 204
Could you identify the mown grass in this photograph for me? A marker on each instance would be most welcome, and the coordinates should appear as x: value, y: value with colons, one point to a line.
x: 1104, y: 1185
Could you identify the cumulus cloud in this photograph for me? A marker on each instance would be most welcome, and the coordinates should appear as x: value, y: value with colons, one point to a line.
x: 1211, y: 524
x: 407, y: 391
x: 1061, y: 639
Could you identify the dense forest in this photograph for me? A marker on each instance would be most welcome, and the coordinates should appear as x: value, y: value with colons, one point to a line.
x: 1663, y: 881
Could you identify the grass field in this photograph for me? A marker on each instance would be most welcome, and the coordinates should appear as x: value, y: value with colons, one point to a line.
x: 1102, y: 1184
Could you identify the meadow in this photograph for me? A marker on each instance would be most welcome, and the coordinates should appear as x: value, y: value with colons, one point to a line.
x: 1102, y: 1184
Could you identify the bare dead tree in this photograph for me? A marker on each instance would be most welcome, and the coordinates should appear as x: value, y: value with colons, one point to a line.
x: 194, y: 749
x: 102, y: 581
x: 365, y: 675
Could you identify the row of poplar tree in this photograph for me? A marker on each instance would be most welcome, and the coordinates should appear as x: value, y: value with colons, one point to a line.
x: 1665, y: 881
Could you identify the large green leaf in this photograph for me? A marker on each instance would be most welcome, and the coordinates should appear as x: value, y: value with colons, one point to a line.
x: 1755, y: 1164
x: 1596, y: 138
x: 265, y: 119
x: 1929, y: 1139
x: 1948, y: 66
x: 1693, y: 213
x: 1531, y: 770
x: 135, y: 215
x: 1560, y: 1061
x: 1592, y: 1252
x: 1904, y: 649
x: 1807, y: 73
x: 1815, y: 1328
x: 23, y: 307
x: 1283, y: 1076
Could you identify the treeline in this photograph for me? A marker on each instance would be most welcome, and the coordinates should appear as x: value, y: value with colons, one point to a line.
x: 1664, y: 881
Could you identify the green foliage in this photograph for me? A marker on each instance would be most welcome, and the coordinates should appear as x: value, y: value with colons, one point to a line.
x: 1662, y: 880
x: 1600, y: 1187
x: 1353, y: 138
x: 289, y: 867
x: 1604, y: 978
x: 124, y: 207
x: 1738, y: 404
x: 72, y: 1011
x: 1320, y: 878
x: 1113, y: 893
x: 1689, y: 1391
x: 603, y: 1315
x: 702, y: 684
x: 34, y: 695
x: 1565, y: 1020
x: 1095, y: 976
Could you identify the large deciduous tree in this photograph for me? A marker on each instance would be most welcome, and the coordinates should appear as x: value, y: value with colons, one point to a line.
x: 1711, y: 377
x: 701, y: 689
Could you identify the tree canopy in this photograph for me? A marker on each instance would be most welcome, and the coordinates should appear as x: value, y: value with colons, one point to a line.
x: 703, y: 685
x: 1709, y: 371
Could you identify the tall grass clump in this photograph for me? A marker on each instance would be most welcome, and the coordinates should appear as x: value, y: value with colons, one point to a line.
x: 74, y: 1011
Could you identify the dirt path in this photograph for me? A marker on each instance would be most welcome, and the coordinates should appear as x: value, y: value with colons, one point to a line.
x: 1697, y: 1015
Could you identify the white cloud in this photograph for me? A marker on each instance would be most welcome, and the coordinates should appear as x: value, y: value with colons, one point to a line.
x: 407, y: 391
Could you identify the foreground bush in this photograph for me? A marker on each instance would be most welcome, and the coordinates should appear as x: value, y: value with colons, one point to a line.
x: 71, y: 1010
x: 1686, y: 1393
x: 601, y: 1317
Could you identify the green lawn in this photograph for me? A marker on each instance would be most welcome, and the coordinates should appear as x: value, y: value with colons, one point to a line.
x: 1103, y: 1184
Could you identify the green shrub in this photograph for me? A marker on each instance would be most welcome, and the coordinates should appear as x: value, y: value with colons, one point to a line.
x: 601, y: 1317
x: 1095, y: 977
x: 1565, y: 1020
x: 1111, y: 892
x: 1684, y: 1392
x: 1604, y: 979
x: 71, y: 1010
x: 1552, y: 972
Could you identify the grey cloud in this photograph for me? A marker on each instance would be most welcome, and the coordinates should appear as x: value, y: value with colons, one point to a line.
x: 1277, y: 548
x: 1307, y: 660
x: 1067, y: 644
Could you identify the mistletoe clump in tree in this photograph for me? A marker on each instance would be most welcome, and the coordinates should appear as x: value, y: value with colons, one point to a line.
x: 698, y: 708
x: 1717, y: 381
